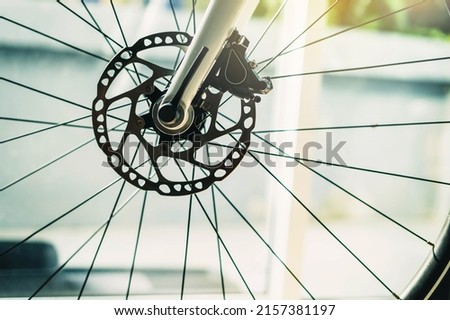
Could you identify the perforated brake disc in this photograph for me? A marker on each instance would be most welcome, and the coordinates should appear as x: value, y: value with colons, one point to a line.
x: 175, y: 164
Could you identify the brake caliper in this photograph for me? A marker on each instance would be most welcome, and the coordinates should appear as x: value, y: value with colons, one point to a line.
x: 234, y: 73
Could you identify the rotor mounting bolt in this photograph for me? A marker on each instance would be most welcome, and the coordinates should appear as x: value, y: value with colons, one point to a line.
x: 149, y: 89
x: 140, y: 122
x: 253, y: 64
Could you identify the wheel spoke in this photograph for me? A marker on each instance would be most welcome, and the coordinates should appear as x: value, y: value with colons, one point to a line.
x: 242, y: 216
x: 280, y: 53
x: 318, y: 220
x: 106, y: 228
x: 339, y: 165
x: 348, y: 29
x: 112, y: 48
x: 50, y: 123
x: 95, y: 27
x: 47, y: 94
x: 60, y: 157
x: 119, y: 24
x: 174, y: 15
x: 218, y: 235
x: 55, y: 39
x: 224, y: 246
x: 321, y: 223
x: 188, y: 233
x: 89, y: 239
x: 54, y: 125
x: 351, y: 194
x: 391, y: 174
x: 362, y: 126
x: 361, y: 68
x: 191, y: 17
x: 269, y: 26
x: 194, y: 2
x: 301, y: 159
x: 33, y: 172
x: 138, y: 237
x: 216, y: 223
x: 108, y: 41
x: 82, y: 203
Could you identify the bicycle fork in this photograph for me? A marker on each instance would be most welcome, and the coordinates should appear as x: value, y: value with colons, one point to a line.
x: 217, y: 51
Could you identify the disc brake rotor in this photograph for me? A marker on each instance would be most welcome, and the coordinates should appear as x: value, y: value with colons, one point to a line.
x: 169, y: 164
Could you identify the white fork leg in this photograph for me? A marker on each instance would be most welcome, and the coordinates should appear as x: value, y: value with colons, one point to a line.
x: 221, y: 18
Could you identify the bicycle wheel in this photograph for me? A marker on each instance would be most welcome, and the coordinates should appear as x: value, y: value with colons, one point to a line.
x: 346, y: 202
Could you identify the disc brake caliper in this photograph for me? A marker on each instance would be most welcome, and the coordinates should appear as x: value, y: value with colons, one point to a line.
x: 234, y: 73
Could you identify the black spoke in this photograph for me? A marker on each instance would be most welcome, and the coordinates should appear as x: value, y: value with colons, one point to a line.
x: 138, y: 237
x: 47, y: 94
x: 105, y: 230
x: 119, y: 24
x: 46, y: 164
x: 54, y: 125
x: 231, y: 203
x: 194, y: 2
x: 361, y: 68
x: 191, y: 16
x: 217, y: 234
x: 62, y: 156
x: 274, y: 18
x: 94, y: 195
x: 349, y: 29
x: 392, y: 174
x: 318, y: 220
x: 320, y: 162
x: 225, y: 247
x: 55, y: 39
x: 174, y: 15
x: 55, y: 97
x: 188, y: 233
x: 315, y: 217
x: 219, y: 251
x: 351, y: 194
x: 50, y: 123
x: 270, y: 61
x: 108, y: 41
x: 362, y: 126
x: 89, y: 239
x: 336, y: 164
x: 216, y: 223
x: 112, y: 48
x: 95, y: 27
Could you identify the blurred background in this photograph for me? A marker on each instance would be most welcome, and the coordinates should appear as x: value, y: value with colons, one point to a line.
x: 51, y: 61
